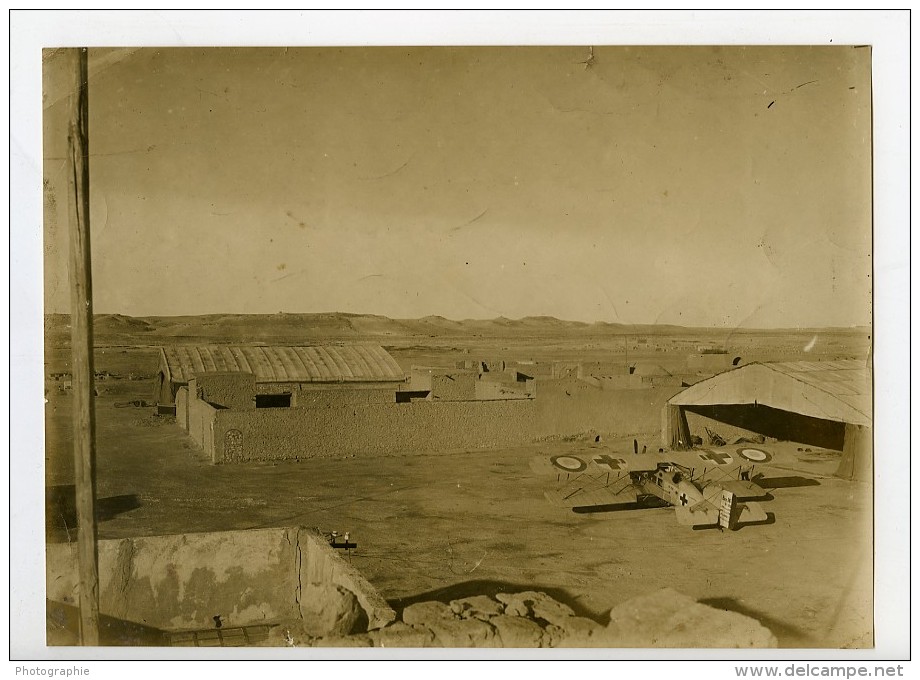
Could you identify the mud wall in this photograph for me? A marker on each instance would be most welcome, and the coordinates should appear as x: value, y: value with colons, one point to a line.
x: 320, y: 563
x: 230, y: 390
x: 603, y: 369
x: 182, y: 407
x: 458, y: 386
x: 279, y: 433
x: 200, y: 419
x: 662, y: 381
x: 493, y: 389
x: 344, y: 387
x: 306, y: 396
x: 564, y: 408
x: 569, y: 406
x: 181, y: 582
x: 627, y: 381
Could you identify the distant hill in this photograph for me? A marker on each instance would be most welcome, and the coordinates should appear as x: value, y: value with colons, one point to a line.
x: 332, y: 326
x: 118, y: 323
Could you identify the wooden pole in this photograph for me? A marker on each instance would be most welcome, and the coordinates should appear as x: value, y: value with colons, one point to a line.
x: 81, y: 335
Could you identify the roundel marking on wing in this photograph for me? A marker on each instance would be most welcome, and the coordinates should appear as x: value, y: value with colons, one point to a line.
x: 755, y: 455
x: 569, y: 463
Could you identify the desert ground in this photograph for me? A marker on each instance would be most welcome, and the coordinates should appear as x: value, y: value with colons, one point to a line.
x: 445, y: 524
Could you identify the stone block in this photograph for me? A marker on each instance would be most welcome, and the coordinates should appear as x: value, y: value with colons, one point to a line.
x: 578, y: 631
x: 517, y: 632
x: 423, y: 613
x: 402, y: 635
x: 670, y: 619
x: 328, y: 610
x: 362, y: 640
x: 463, y: 633
x: 536, y: 605
x: 480, y: 607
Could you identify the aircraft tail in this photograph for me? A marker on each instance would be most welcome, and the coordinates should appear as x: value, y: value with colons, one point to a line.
x: 751, y: 513
x: 703, y: 514
x: 733, y: 514
x: 722, y: 510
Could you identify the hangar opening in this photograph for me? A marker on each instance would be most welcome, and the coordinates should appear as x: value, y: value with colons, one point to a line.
x: 821, y: 403
x: 777, y: 423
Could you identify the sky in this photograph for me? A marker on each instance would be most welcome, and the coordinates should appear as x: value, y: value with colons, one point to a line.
x: 700, y: 186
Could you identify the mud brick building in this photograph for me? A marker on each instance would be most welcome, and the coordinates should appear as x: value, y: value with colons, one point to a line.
x: 273, y: 403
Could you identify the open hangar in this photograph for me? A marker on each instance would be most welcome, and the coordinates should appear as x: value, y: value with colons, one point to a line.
x: 826, y: 404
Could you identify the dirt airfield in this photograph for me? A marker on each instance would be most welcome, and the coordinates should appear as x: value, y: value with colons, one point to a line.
x: 446, y: 524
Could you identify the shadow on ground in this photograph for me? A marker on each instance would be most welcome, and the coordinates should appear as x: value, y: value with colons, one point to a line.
x: 787, y: 634
x: 61, y: 511
x: 622, y: 507
x: 791, y: 482
x: 63, y: 626
x: 770, y: 519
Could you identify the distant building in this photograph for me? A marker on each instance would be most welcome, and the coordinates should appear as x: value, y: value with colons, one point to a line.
x: 444, y: 384
x: 279, y: 369
x: 652, y: 374
x: 711, y: 361
x: 467, y: 384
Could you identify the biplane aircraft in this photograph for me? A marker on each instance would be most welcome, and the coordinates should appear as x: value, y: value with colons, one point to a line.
x: 706, y: 487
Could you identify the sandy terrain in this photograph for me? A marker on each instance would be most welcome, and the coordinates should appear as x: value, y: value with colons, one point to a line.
x: 453, y: 523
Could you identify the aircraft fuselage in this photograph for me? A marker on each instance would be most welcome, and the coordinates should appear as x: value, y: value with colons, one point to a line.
x: 670, y: 483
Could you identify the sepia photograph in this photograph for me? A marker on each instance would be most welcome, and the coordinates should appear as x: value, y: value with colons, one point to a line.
x: 458, y: 346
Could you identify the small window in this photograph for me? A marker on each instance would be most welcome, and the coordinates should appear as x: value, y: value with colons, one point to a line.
x: 273, y: 401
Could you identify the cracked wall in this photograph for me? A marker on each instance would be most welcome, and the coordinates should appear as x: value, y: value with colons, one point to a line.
x: 181, y: 582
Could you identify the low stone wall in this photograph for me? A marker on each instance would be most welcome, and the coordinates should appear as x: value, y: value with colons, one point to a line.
x: 200, y: 421
x: 337, y: 426
x: 269, y: 434
x: 351, y: 391
x: 181, y: 582
x: 666, y: 619
x: 455, y: 386
x: 571, y: 406
x: 313, y: 397
x: 182, y: 407
x: 230, y: 390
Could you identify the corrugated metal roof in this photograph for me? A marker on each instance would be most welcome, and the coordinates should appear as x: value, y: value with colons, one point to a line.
x: 351, y: 363
x: 832, y: 390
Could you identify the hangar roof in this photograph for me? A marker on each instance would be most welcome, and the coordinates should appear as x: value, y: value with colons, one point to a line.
x: 351, y: 363
x: 832, y: 390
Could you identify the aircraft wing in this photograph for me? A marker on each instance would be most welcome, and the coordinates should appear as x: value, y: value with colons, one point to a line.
x: 587, y: 490
x: 726, y: 459
x: 719, y: 457
x: 742, y: 489
x: 571, y: 465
